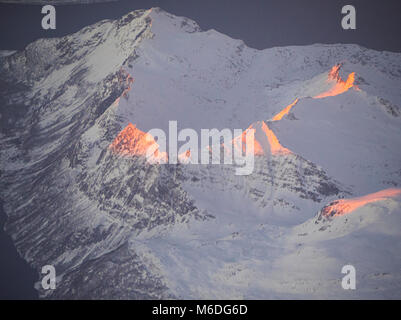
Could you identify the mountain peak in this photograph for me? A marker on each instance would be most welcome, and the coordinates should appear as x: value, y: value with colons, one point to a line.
x: 132, y: 141
x: 343, y: 207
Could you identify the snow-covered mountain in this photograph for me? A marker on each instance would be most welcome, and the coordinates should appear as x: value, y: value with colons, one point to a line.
x: 80, y: 195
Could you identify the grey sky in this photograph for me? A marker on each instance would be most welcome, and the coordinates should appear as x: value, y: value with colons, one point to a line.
x: 260, y: 23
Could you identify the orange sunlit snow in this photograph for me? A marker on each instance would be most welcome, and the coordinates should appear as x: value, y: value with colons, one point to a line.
x: 345, y: 206
x: 262, y: 133
x: 275, y: 147
x: 239, y: 144
x: 134, y: 142
x: 285, y: 111
x: 339, y: 85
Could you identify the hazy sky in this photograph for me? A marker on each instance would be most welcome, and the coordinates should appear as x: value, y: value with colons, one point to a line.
x: 260, y: 23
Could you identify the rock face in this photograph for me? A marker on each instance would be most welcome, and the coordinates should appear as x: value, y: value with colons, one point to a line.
x: 79, y: 193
